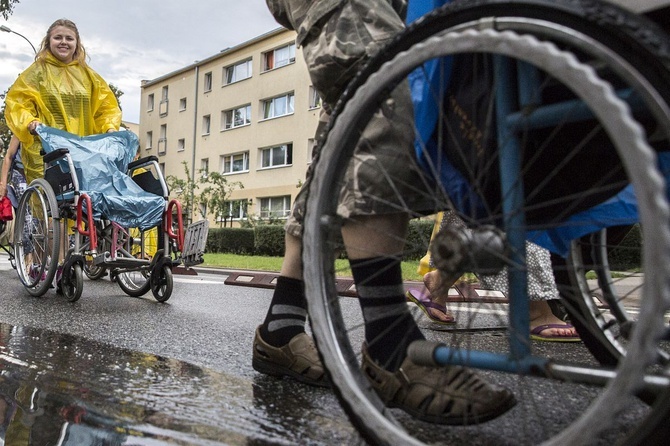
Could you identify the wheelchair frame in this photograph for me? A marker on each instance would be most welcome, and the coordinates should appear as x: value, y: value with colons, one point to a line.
x: 101, y: 244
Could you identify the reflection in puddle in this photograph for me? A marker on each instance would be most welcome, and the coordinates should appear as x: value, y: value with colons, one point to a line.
x: 60, y: 389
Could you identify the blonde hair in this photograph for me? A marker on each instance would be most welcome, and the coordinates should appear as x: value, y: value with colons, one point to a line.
x: 79, y: 52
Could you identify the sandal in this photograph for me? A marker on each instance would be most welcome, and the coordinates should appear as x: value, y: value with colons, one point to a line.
x: 298, y: 359
x: 423, y: 301
x: 536, y: 336
x: 442, y: 395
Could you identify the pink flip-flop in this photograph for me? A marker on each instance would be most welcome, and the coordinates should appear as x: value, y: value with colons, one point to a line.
x: 422, y: 300
x: 536, y: 336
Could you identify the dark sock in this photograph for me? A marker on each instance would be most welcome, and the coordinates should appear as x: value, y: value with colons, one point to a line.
x: 389, y: 326
x: 287, y: 314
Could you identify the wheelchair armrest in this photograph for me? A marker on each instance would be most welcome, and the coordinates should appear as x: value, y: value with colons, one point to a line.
x: 56, y: 154
x: 141, y: 161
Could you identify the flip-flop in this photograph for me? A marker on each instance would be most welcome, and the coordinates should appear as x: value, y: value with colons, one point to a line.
x: 422, y: 300
x: 535, y: 334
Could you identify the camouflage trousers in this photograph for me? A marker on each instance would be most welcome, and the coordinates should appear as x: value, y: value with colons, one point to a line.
x: 334, y: 52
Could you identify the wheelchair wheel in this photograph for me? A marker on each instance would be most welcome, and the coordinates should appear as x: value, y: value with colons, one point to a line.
x: 72, y: 283
x: 133, y: 283
x: 162, y: 283
x: 523, y: 179
x: 94, y: 272
x: 632, y: 54
x: 37, y: 237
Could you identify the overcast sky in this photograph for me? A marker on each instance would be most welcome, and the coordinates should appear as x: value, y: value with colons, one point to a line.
x: 131, y: 40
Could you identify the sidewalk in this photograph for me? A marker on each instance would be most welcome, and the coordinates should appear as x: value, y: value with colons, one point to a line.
x: 630, y: 287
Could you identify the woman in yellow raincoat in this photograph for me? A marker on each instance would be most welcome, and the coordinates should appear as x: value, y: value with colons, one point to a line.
x: 60, y: 90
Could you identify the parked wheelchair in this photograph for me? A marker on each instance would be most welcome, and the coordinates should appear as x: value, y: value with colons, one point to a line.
x: 93, y: 209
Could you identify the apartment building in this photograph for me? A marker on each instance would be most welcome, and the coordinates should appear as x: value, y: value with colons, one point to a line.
x: 248, y: 112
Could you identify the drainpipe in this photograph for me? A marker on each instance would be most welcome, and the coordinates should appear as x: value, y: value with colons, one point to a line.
x: 195, y: 138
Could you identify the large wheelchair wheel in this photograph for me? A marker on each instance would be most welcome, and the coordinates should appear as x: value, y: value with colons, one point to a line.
x: 37, y: 237
x: 133, y: 283
x: 525, y: 179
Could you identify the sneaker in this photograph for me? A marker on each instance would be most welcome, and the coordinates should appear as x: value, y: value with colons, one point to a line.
x: 298, y: 359
x: 442, y: 395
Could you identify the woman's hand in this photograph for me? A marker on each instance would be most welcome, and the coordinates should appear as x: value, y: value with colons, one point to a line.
x: 33, y: 125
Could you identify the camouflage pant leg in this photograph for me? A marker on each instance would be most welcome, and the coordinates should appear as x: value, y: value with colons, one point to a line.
x: 350, y: 36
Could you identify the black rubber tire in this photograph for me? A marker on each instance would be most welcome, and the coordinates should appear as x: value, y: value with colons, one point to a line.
x: 73, y: 285
x: 39, y: 191
x: 320, y: 291
x: 162, y: 283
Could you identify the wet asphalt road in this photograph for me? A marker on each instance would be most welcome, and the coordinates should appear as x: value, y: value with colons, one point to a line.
x: 180, y: 373
x: 204, y: 333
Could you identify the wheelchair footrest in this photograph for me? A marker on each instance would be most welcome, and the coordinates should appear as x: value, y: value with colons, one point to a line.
x: 121, y: 262
x: 194, y: 243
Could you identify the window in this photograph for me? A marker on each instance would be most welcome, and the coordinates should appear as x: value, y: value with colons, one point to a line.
x: 208, y: 82
x: 182, y: 104
x: 150, y: 102
x: 236, y: 117
x: 204, y: 167
x: 162, y: 141
x: 279, y: 106
x: 150, y: 140
x: 276, y: 207
x: 163, y: 107
x: 314, y: 98
x: 181, y: 145
x: 310, y: 149
x: 279, y: 57
x: 281, y: 155
x: 235, y: 210
x: 238, y: 162
x: 206, y: 121
x: 161, y: 166
x: 237, y: 72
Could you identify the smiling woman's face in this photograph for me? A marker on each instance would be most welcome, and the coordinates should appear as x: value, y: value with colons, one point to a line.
x: 63, y: 43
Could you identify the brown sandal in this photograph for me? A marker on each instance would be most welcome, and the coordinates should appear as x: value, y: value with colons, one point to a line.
x: 441, y: 395
x: 298, y: 359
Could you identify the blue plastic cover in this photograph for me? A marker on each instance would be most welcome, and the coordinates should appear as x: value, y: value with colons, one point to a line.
x: 101, y: 162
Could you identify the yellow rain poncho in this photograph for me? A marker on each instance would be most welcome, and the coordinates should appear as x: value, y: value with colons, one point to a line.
x: 69, y: 97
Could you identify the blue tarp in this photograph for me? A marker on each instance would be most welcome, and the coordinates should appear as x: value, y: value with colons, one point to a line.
x: 619, y: 210
x: 101, y: 162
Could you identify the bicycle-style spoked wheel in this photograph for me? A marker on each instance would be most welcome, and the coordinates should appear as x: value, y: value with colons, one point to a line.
x: 632, y: 54
x: 522, y: 173
x: 37, y: 237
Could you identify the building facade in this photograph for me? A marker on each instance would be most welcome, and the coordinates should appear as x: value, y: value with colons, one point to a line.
x: 248, y: 112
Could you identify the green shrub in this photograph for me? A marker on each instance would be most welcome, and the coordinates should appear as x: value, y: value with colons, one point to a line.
x: 418, y: 238
x: 231, y: 240
x: 627, y: 255
x: 269, y: 240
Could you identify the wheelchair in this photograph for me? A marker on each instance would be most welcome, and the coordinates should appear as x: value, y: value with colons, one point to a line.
x: 58, y: 218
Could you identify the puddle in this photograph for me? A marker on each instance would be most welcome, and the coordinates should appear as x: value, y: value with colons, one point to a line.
x: 66, y: 390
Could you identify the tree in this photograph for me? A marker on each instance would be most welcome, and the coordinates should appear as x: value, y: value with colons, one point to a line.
x: 214, y: 197
x: 184, y: 190
x: 6, y: 7
x: 118, y: 93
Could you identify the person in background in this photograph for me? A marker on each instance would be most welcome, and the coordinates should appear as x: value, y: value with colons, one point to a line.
x: 542, y: 288
x: 337, y: 37
x: 61, y: 91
